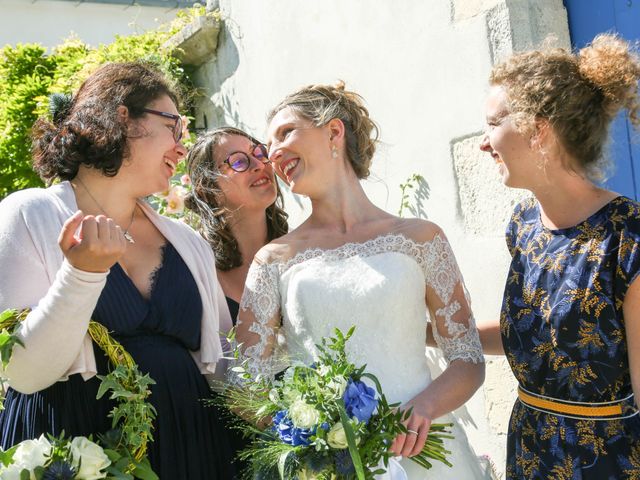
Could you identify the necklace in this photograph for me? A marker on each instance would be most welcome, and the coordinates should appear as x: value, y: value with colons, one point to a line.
x: 126, y: 234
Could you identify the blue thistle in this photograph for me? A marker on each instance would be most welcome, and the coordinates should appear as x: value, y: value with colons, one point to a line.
x: 344, y: 463
x: 317, y: 462
x: 59, y: 470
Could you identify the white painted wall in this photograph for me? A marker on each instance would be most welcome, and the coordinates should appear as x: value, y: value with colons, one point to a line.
x: 422, y: 67
x: 49, y: 22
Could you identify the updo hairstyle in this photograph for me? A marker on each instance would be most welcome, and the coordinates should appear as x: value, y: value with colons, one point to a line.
x: 578, y: 94
x: 322, y: 103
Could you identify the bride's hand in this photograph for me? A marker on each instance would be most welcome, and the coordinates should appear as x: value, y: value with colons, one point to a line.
x: 412, y: 443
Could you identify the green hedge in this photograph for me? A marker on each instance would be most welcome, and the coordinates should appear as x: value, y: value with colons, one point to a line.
x: 29, y: 74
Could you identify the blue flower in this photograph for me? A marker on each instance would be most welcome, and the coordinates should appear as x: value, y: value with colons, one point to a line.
x: 344, y: 463
x: 290, y: 434
x: 359, y: 400
x: 317, y: 463
x: 59, y: 471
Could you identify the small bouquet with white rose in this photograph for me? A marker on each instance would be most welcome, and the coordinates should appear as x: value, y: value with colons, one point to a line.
x: 57, y: 458
x: 323, y: 421
x: 121, y: 454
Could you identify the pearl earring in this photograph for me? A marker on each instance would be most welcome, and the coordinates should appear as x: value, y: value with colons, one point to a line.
x: 334, y: 151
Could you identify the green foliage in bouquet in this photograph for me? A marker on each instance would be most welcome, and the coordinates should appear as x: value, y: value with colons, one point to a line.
x: 29, y: 75
x: 323, y: 421
x: 122, y: 450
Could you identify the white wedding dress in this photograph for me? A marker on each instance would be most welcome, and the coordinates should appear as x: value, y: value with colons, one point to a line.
x: 378, y: 286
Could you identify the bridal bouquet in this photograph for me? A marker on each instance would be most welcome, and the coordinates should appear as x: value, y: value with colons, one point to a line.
x: 322, y: 421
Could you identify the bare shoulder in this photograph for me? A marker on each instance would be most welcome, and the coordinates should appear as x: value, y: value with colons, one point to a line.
x: 281, y: 249
x: 418, y: 230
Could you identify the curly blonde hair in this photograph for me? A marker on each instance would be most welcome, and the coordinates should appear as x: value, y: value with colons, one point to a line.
x: 578, y: 94
x: 208, y: 201
x: 322, y: 103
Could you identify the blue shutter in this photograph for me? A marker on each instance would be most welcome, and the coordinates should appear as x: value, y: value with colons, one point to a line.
x: 587, y: 18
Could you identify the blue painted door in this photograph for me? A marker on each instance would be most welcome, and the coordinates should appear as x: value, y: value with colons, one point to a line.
x: 587, y: 18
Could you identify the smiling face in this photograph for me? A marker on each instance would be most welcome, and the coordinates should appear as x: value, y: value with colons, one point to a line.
x: 153, y: 152
x: 510, y: 149
x: 254, y: 188
x: 300, y: 152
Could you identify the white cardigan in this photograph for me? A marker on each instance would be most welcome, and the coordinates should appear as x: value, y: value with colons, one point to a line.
x: 35, y: 274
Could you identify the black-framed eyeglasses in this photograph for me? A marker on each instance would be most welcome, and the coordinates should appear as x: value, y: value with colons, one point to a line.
x: 240, y: 161
x: 177, y: 127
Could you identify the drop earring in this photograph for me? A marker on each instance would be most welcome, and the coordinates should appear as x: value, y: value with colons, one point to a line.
x: 334, y: 151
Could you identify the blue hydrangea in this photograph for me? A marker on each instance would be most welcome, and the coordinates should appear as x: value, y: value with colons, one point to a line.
x: 290, y: 434
x: 359, y: 400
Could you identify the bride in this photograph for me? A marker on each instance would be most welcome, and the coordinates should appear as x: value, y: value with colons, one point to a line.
x: 351, y: 263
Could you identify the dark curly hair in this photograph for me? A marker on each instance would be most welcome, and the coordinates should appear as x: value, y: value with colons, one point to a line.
x: 207, y: 200
x: 86, y: 128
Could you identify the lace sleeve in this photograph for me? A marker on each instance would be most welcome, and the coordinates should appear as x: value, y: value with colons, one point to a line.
x: 259, y: 320
x: 454, y: 329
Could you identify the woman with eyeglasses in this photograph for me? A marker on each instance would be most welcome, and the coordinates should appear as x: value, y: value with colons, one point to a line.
x: 353, y: 264
x: 89, y: 247
x: 235, y: 193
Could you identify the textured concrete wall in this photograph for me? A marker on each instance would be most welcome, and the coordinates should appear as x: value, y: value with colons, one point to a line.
x: 49, y: 22
x: 422, y: 67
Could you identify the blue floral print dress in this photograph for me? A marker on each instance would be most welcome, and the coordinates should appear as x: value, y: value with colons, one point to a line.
x: 563, y: 333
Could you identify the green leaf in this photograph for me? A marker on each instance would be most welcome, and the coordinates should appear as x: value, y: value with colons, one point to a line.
x: 374, y: 379
x: 143, y: 471
x: 6, y: 456
x: 282, y: 463
x: 38, y: 472
x: 113, y: 455
x: 116, y: 474
x: 351, y: 441
x: 7, y: 314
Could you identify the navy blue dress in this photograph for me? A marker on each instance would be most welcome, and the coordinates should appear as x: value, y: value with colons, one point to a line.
x: 190, y: 441
x: 563, y: 331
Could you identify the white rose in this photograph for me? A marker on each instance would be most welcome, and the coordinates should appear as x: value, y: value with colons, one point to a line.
x: 303, y: 415
x: 336, y: 438
x: 88, y: 459
x: 32, y: 453
x: 12, y: 472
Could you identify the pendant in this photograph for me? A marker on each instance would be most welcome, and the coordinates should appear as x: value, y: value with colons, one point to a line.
x: 128, y: 237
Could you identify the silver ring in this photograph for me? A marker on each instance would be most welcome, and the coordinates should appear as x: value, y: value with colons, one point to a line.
x: 412, y: 431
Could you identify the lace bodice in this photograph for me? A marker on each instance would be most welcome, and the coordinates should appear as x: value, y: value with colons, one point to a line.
x: 382, y: 286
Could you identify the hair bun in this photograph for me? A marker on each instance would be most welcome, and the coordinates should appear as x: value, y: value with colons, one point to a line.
x: 60, y: 106
x: 612, y: 66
